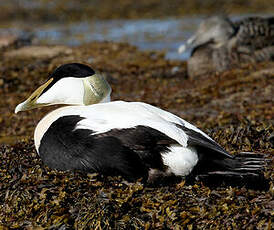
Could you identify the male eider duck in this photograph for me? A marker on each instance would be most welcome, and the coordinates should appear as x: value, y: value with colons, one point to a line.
x: 132, y: 139
x: 220, y: 44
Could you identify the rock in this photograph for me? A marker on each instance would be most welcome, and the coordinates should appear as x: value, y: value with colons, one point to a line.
x: 8, y: 40
x: 38, y: 52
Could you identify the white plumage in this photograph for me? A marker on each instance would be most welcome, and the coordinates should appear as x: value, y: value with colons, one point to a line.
x: 104, y: 117
x: 72, y: 93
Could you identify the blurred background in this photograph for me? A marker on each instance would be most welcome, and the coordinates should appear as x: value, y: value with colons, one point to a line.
x: 148, y: 24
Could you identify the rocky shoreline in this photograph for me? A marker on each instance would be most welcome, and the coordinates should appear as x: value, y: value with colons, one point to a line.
x: 235, y: 108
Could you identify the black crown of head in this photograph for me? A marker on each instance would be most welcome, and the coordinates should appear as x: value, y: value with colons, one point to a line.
x: 72, y: 70
x: 76, y: 70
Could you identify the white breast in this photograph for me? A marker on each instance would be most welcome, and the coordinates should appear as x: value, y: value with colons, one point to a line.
x: 45, y: 123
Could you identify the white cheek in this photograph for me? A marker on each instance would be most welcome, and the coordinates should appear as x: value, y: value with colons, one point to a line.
x: 65, y: 91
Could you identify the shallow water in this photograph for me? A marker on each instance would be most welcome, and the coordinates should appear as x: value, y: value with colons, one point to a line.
x: 147, y: 34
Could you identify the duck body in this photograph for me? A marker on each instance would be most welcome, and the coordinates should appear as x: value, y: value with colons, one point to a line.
x: 128, y: 138
x: 222, y: 44
x: 132, y: 139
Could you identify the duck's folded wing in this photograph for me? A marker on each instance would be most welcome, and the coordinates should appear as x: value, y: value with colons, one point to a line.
x: 255, y: 32
x: 207, y: 145
x: 195, y: 137
x: 130, y: 152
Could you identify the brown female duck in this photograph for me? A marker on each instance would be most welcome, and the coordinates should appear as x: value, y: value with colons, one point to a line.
x: 220, y: 44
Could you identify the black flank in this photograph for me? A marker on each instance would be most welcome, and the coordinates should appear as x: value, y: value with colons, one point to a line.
x: 128, y: 152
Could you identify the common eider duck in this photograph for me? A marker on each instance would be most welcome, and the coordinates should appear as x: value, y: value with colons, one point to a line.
x: 220, y: 44
x: 132, y: 139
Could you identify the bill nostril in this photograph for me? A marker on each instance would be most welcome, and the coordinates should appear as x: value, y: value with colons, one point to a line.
x: 33, y: 98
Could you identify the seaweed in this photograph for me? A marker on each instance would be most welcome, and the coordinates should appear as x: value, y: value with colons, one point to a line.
x: 235, y: 108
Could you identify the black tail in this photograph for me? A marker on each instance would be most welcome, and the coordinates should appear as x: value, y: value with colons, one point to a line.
x: 244, y: 169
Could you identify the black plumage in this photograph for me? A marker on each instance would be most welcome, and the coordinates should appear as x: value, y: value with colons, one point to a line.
x: 132, y: 152
x: 128, y: 152
x: 198, y: 140
x: 215, y: 165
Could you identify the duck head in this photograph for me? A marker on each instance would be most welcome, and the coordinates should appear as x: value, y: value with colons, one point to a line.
x: 69, y: 84
x: 215, y: 30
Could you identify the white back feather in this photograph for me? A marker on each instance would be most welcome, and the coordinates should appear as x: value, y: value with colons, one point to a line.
x: 103, y: 117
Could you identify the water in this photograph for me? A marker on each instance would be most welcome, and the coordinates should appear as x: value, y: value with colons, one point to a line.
x: 164, y: 35
x: 147, y: 34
